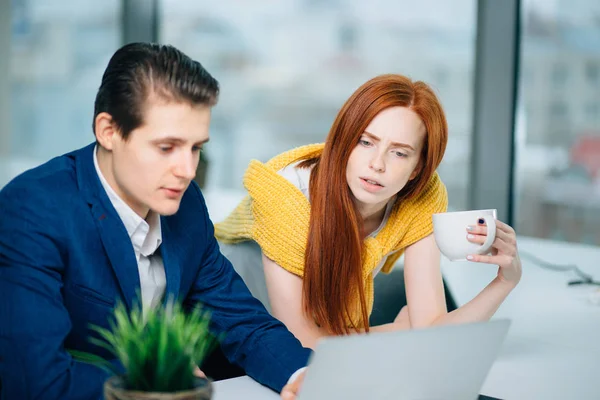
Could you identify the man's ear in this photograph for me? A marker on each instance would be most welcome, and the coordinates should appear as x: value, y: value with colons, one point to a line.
x: 106, y: 130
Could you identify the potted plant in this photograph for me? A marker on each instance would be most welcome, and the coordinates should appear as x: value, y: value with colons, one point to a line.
x: 159, y: 352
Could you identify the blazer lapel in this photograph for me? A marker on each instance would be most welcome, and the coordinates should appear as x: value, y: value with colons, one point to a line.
x: 119, y: 249
x: 111, y: 229
x: 171, y: 256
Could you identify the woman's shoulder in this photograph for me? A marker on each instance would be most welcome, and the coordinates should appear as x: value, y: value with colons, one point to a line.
x: 433, y: 198
x: 419, y: 209
x: 412, y: 219
x: 297, y: 176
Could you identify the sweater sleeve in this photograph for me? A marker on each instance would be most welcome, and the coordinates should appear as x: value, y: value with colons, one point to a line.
x: 276, y: 212
x: 281, y: 216
x: 419, y: 212
x: 434, y: 199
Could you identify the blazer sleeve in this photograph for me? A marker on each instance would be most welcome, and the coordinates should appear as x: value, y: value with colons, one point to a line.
x: 33, y: 319
x: 253, y: 339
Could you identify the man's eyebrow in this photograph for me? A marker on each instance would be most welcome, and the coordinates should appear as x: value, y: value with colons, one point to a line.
x: 177, y: 140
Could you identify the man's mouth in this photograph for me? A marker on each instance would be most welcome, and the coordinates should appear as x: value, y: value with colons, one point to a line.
x: 172, y: 192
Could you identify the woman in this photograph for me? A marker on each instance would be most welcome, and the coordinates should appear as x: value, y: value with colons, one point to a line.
x: 329, y: 217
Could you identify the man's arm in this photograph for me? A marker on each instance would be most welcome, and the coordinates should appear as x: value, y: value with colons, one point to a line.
x: 33, y: 319
x: 253, y: 339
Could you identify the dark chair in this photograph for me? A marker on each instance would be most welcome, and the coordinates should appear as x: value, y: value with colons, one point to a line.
x: 390, y: 297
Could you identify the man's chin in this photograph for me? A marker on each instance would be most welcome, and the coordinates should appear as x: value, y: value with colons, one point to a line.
x: 166, y: 209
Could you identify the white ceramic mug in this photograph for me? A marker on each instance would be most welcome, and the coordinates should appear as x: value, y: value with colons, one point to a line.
x: 450, y: 231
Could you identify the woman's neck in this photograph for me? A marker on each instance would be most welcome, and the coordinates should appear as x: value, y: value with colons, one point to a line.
x: 372, y: 216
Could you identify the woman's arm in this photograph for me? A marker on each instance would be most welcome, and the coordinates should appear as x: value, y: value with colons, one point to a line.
x: 285, y: 296
x: 423, y: 283
x: 424, y: 289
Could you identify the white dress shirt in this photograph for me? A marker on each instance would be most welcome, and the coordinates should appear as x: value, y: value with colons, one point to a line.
x: 145, y: 237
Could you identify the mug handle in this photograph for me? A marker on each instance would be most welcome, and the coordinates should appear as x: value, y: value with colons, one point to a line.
x: 490, y: 223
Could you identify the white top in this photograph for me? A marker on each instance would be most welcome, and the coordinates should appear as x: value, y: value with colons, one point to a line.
x: 300, y: 177
x: 146, y: 237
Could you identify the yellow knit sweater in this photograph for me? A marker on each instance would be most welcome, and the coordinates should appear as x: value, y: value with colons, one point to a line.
x: 276, y: 215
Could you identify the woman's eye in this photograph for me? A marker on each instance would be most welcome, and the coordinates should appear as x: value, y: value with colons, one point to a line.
x: 165, y: 149
x: 365, y: 142
x: 399, y: 154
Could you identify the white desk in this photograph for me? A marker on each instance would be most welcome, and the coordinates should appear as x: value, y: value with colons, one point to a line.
x: 525, y: 369
x: 553, y: 347
x: 542, y: 307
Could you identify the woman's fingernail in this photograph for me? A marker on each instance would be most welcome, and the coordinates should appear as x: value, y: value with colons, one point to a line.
x: 469, y: 257
x: 481, y: 221
x: 470, y: 236
x: 470, y: 227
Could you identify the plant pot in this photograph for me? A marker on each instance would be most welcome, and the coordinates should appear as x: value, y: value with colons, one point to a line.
x: 114, y: 390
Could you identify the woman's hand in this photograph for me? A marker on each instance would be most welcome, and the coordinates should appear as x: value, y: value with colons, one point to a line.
x: 504, y: 250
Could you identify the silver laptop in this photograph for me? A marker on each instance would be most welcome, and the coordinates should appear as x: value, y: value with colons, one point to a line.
x: 448, y: 362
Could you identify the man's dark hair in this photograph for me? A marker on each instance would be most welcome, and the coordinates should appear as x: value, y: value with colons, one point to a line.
x: 138, y: 70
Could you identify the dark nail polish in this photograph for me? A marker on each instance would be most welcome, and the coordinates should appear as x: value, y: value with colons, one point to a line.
x: 481, y: 221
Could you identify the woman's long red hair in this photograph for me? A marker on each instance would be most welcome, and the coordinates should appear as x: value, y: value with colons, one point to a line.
x: 333, y: 260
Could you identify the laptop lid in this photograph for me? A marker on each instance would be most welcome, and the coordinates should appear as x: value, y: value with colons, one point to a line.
x: 446, y: 362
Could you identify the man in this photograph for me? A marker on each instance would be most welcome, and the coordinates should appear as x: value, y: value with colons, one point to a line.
x: 119, y: 216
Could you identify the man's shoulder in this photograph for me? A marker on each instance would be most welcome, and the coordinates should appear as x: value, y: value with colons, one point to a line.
x: 192, y: 214
x: 192, y: 200
x: 55, y: 179
x: 192, y: 206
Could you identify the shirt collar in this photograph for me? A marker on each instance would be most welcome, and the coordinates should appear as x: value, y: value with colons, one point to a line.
x: 145, y: 235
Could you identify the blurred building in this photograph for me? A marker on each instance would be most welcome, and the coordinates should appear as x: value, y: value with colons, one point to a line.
x: 286, y: 67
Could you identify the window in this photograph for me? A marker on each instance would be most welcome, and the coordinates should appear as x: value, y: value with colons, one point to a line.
x: 286, y: 67
x: 559, y: 75
x: 58, y: 52
x: 592, y: 111
x: 558, y: 151
x: 558, y: 110
x: 592, y: 72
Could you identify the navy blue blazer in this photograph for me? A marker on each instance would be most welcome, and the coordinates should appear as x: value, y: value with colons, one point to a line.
x: 66, y: 258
